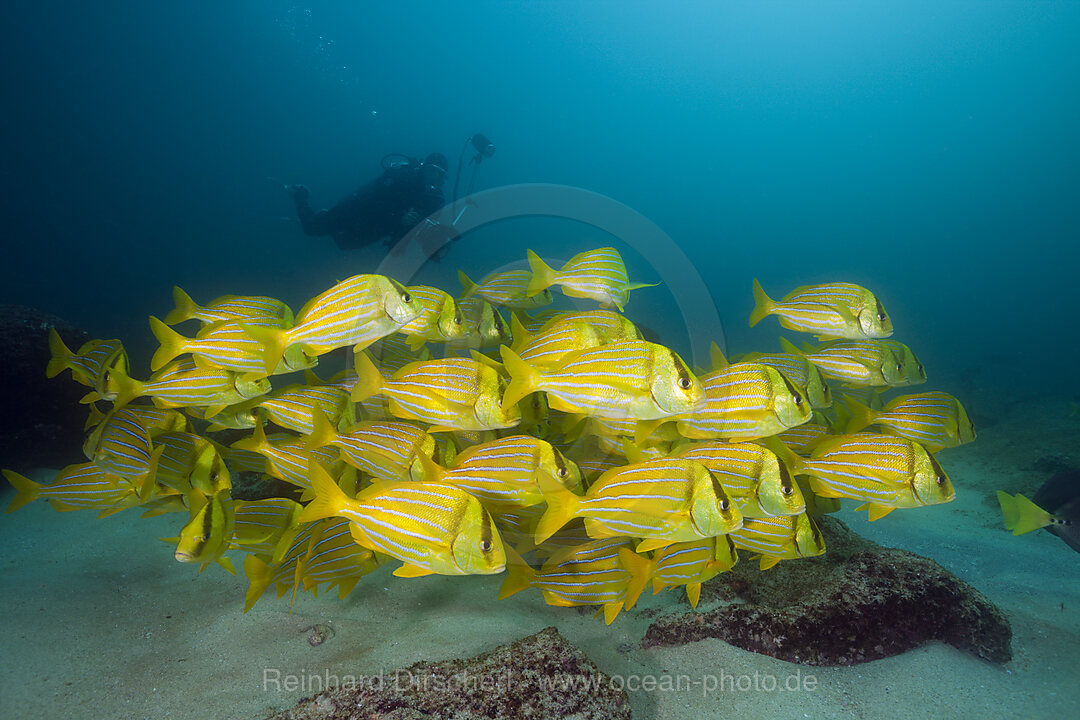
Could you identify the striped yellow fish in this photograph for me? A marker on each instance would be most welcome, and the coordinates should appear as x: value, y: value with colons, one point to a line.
x: 333, y: 558
x: 692, y: 563
x: 506, y: 289
x: 857, y: 362
x: 89, y: 365
x: 603, y: 572
x: 786, y: 537
x: 226, y: 345
x: 484, y: 324
x: 386, y: 450
x: 752, y: 476
x: 803, y: 438
x: 885, y: 471
x: 206, y: 537
x: 935, y: 420
x: 189, y: 460
x: 506, y: 472
x: 802, y: 373
x: 745, y: 401
x: 293, y: 407
x: 120, y: 445
x: 183, y: 383
x: 288, y: 457
x: 356, y: 312
x: 629, y: 379
x: 430, y: 527
x: 440, y: 320
x: 448, y: 394
x: 595, y: 274
x: 259, y: 525
x: 835, y: 310
x: 913, y: 371
x: 229, y: 307
x: 569, y: 334
x: 664, y: 501
x: 77, y: 487
x: 281, y: 570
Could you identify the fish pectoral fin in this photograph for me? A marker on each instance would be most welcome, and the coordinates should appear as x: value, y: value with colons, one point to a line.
x: 611, y: 611
x: 408, y: 571
x: 875, y: 511
x: 652, y: 544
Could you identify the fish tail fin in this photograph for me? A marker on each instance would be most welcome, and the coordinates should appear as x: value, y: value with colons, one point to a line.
x: 61, y: 355
x: 789, y: 347
x: 368, y: 379
x: 518, y: 334
x: 273, y: 340
x: 172, y: 343
x: 562, y: 506
x: 26, y: 490
x: 254, y: 442
x: 861, y: 415
x: 518, y: 574
x: 763, y: 305
x: 468, y: 286
x: 543, y: 275
x: 795, y: 464
x: 329, y: 500
x: 716, y: 357
x: 640, y: 569
x: 1021, y: 515
x: 185, y: 307
x: 322, y: 432
x: 433, y: 472
x: 523, y: 378
x: 259, y: 573
x: 125, y: 388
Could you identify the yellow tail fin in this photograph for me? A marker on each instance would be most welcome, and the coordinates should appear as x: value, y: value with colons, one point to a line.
x: 518, y: 574
x: 26, y: 490
x: 172, y: 343
x: 640, y: 569
x: 61, y: 355
x: 1021, y: 515
x: 468, y: 286
x: 861, y: 415
x: 273, y: 340
x: 368, y: 380
x: 523, y: 378
x: 562, y: 506
x: 258, y: 575
x: 543, y: 275
x: 329, y: 500
x: 763, y: 305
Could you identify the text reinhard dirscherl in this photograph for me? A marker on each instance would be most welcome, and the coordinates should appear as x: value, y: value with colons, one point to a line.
x: 277, y: 681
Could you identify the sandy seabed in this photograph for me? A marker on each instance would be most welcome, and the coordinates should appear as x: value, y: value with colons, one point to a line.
x: 99, y: 621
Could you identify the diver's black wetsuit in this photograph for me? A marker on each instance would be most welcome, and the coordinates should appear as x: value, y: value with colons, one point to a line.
x: 386, y: 209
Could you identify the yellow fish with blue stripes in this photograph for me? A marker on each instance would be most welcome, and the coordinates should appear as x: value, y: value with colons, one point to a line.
x: 689, y: 564
x: 182, y: 383
x: 785, y: 537
x: 229, y: 308
x: 935, y: 420
x: 227, y: 345
x: 666, y: 500
x: 833, y: 310
x: 629, y: 379
x: 745, y: 401
x: 507, y: 289
x: 594, y: 274
x: 357, y: 311
x: 431, y: 527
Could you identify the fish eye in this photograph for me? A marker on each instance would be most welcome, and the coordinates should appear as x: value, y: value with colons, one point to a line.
x: 940, y: 480
x: 724, y: 504
x: 798, y: 399
x: 786, y: 489
x: 684, y: 383
x: 406, y: 298
x: 485, y: 545
x: 881, y: 316
x: 899, y: 367
x: 564, y: 473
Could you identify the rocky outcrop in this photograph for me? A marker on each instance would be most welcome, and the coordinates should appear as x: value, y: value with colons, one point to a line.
x: 858, y: 602
x: 541, y: 677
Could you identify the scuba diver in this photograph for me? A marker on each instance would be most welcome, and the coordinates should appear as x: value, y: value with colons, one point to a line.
x: 386, y: 209
x: 408, y: 192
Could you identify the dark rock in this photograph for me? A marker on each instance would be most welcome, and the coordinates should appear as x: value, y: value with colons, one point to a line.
x: 42, y: 423
x: 541, y: 677
x: 858, y: 602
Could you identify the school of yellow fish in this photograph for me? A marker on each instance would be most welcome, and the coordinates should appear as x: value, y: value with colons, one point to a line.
x: 485, y: 433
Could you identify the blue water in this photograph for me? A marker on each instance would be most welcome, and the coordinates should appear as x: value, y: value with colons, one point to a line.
x: 926, y: 150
